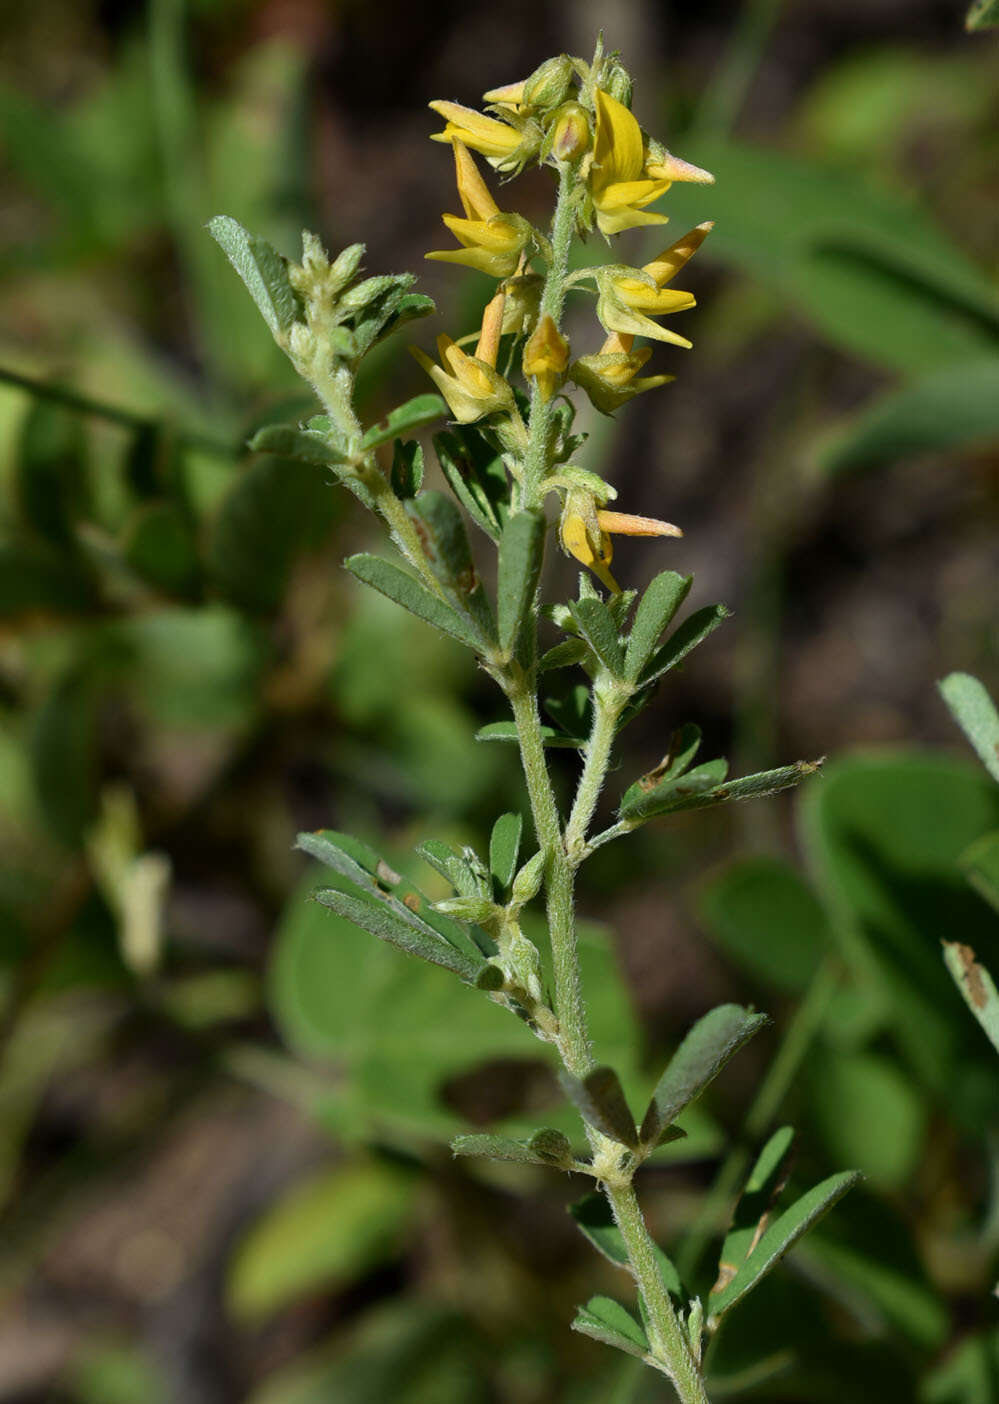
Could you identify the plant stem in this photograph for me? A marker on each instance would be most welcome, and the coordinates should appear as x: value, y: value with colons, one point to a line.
x: 539, y: 424
x: 668, y: 1340
x: 404, y: 533
x: 574, y: 1039
x: 591, y: 782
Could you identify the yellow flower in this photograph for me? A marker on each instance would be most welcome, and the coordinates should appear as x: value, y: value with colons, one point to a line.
x: 629, y: 298
x: 504, y: 146
x: 611, y: 378
x: 619, y: 185
x: 661, y: 270
x: 585, y: 532
x: 546, y: 355
x: 491, y: 241
x: 471, y: 384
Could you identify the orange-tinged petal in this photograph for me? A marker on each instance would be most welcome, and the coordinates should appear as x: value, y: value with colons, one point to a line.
x: 671, y: 260
x: 671, y: 167
x: 623, y: 524
x: 492, y: 329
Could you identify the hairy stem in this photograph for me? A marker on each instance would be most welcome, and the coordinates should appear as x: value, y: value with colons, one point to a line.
x: 596, y: 759
x: 670, y: 1346
x: 404, y: 533
x: 539, y: 425
x: 574, y: 1039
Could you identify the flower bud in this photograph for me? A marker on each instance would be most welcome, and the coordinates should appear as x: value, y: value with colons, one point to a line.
x: 616, y: 80
x: 570, y: 132
x: 549, y: 84
x: 546, y: 355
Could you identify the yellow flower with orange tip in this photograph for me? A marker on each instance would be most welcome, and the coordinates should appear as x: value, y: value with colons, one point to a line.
x: 629, y: 297
x: 585, y: 531
x: 471, y: 385
x: 546, y: 355
x: 491, y: 241
x: 611, y: 378
x: 618, y: 183
x: 503, y: 146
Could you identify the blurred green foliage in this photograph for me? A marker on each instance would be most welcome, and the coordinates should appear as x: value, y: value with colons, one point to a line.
x: 174, y: 629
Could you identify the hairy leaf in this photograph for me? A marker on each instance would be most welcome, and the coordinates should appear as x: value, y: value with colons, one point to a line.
x: 264, y: 272
x: 600, y: 1101
x: 656, y: 609
x: 779, y: 1238
x: 699, y: 1059
x: 390, y: 580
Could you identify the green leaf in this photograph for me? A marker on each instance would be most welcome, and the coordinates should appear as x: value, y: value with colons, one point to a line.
x: 563, y: 655
x: 980, y: 863
x: 969, y: 1374
x: 747, y: 787
x: 683, y: 747
x: 951, y: 408
x: 521, y: 552
x: 504, y: 849
x: 64, y: 753
x: 381, y: 921
x: 50, y: 474
x: 38, y: 581
x: 264, y: 272
x: 975, y: 713
x: 397, y: 1030
x: 545, y: 1147
x: 290, y: 441
x: 885, y: 836
x: 693, y: 631
x: 390, y: 580
x: 441, y: 530
x: 779, y: 1238
x: 406, y: 1351
x: 367, y: 870
x: 160, y: 546
x: 869, y: 1113
x: 656, y: 609
x: 599, y: 1098
x: 327, y: 1231
x: 407, y: 468
x: 607, y: 1320
x: 767, y: 919
x: 752, y: 1212
x: 883, y: 281
x: 700, y: 1058
x: 597, y: 627
x: 983, y: 14
x: 476, y: 475
x: 651, y: 796
x: 464, y: 870
x: 276, y: 512
x: 596, y: 1222
x: 977, y: 987
x: 414, y: 414
x: 507, y: 731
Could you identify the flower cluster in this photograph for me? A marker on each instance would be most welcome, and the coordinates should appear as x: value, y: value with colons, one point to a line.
x: 574, y: 117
